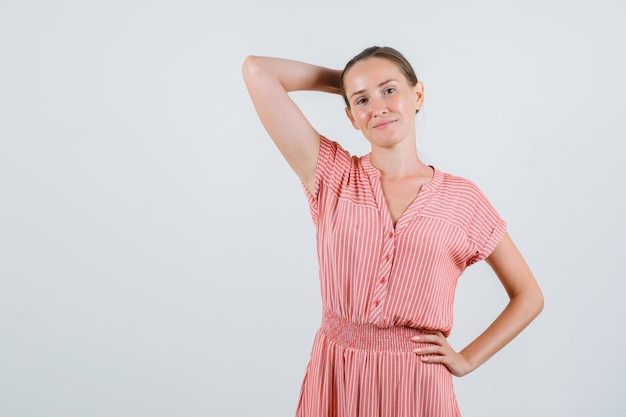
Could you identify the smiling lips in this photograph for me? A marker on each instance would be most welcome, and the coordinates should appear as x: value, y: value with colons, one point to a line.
x: 383, y: 124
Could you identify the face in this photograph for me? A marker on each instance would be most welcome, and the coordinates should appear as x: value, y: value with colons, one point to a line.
x: 382, y: 103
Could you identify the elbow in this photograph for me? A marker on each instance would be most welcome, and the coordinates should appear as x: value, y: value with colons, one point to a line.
x: 247, y: 66
x: 539, y: 302
x: 535, y: 302
x: 251, y: 67
x: 530, y: 300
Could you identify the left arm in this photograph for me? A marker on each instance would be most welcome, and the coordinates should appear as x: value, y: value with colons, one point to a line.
x: 525, y: 303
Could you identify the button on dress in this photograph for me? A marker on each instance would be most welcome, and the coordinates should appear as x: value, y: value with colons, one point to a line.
x: 382, y: 284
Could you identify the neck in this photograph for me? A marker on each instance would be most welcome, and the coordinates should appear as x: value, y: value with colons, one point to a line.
x: 399, y: 162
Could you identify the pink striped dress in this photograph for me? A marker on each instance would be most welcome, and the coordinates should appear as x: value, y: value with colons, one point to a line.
x: 381, y: 285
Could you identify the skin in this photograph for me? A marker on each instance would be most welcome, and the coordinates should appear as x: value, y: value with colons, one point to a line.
x: 382, y: 106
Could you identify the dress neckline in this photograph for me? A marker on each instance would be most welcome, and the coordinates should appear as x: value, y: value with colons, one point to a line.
x: 420, y: 201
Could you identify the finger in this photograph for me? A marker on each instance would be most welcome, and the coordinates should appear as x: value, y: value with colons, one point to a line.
x: 429, y: 338
x: 437, y: 332
x: 429, y: 350
x: 435, y: 359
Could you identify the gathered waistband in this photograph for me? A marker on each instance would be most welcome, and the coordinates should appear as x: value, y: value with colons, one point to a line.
x: 348, y: 334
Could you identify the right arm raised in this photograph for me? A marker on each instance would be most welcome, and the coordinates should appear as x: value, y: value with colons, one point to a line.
x: 269, y: 80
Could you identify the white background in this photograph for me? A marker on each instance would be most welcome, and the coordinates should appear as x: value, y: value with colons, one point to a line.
x: 157, y: 255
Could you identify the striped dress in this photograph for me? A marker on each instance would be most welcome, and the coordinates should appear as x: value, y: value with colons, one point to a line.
x: 382, y: 284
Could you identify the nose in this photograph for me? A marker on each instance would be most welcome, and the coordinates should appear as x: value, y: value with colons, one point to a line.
x: 379, y: 107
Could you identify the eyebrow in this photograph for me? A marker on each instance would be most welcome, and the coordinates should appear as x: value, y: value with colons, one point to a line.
x: 363, y: 90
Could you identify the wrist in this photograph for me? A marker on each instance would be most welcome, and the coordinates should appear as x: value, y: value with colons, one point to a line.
x: 469, y: 363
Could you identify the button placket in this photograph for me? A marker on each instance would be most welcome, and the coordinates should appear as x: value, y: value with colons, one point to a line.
x: 382, y: 282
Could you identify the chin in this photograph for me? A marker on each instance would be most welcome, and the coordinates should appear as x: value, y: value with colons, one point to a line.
x: 384, y: 140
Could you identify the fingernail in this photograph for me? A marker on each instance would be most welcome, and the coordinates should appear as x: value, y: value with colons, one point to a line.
x: 418, y: 350
x: 416, y: 338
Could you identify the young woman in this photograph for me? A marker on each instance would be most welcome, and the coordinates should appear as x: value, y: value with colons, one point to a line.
x: 393, y: 236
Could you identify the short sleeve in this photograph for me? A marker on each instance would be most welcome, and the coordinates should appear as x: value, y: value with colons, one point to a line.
x: 486, y: 228
x: 331, y: 162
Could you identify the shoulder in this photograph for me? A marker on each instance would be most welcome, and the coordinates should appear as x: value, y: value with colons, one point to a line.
x: 459, y: 189
x: 332, y: 147
x: 336, y: 168
x: 344, y: 175
x: 459, y: 201
x: 333, y: 156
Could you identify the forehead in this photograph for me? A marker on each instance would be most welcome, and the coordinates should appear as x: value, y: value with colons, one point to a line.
x: 370, y: 72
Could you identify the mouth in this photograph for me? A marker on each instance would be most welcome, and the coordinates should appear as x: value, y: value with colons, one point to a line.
x: 383, y: 124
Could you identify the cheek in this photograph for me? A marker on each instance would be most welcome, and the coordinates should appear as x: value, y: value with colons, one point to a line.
x: 362, y: 115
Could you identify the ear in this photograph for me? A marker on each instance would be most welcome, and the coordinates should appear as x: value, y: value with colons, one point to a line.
x: 419, y: 95
x: 349, y: 114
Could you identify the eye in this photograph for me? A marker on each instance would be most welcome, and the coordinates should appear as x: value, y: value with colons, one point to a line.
x: 389, y: 90
x: 360, y: 101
